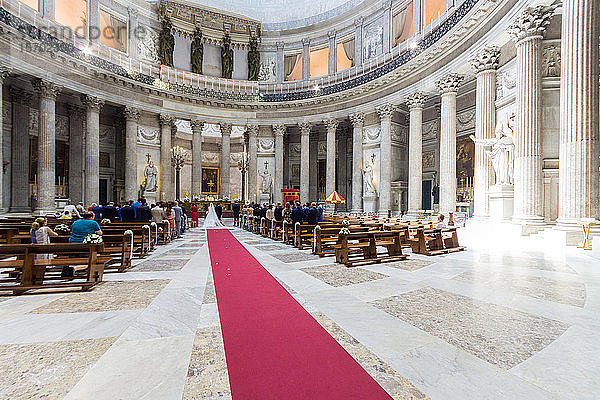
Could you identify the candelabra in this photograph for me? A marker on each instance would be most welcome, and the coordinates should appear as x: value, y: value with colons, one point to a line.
x: 243, y: 167
x: 177, y: 160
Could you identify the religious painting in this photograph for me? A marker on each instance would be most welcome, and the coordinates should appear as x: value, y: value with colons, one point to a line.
x: 465, y: 155
x: 210, y: 180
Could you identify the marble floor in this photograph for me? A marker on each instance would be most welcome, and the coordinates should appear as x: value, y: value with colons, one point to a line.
x: 503, y: 320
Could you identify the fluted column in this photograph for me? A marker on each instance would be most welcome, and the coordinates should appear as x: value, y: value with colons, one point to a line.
x: 304, y: 161
x: 279, y: 131
x: 92, y: 148
x: 332, y: 53
x: 305, y: 59
x: 76, y: 152
x: 385, y: 113
x: 448, y: 86
x: 358, y: 121
x: 166, y: 170
x: 415, y: 152
x: 132, y: 115
x: 331, y: 125
x: 4, y: 73
x: 225, y: 158
x: 579, y: 147
x: 485, y: 64
x: 197, y: 127
x: 252, y: 162
x: 528, y: 32
x: 46, y: 167
x: 19, y: 154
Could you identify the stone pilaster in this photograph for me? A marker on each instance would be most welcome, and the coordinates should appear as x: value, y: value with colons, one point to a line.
x: 279, y: 61
x: 385, y: 114
x: 358, y: 121
x: 305, y: 59
x: 485, y: 64
x: 92, y: 148
x: 528, y: 32
x: 448, y: 86
x: 19, y: 200
x: 166, y: 169
x: 133, y: 38
x: 579, y: 146
x: 225, y: 158
x: 332, y: 54
x: 76, y: 152
x: 387, y: 25
x: 415, y: 103
x: 252, y: 162
x: 332, y: 125
x: 358, y: 31
x: 132, y: 116
x: 46, y: 167
x: 4, y: 73
x: 304, y: 161
x: 197, y: 127
x: 279, y: 131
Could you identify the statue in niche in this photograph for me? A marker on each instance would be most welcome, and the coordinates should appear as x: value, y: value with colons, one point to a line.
x: 500, y: 149
x: 368, y: 179
x: 266, y: 180
x: 151, y: 177
x: 166, y: 43
x: 197, y: 52
x: 226, y: 58
x: 253, y: 60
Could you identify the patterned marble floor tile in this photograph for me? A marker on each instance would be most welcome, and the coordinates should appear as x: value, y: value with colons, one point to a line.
x: 160, y: 265
x: 207, y: 376
x: 272, y: 247
x: 295, y: 257
x: 570, y: 293
x: 499, y: 335
x: 338, y: 275
x: 107, y: 296
x: 410, y: 264
x: 527, y: 262
x: 209, y: 293
x: 47, y: 370
x: 254, y: 242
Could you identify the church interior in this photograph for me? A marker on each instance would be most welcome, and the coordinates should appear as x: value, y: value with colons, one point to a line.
x: 277, y: 199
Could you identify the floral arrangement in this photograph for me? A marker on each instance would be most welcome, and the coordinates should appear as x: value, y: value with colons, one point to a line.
x: 105, y: 221
x: 346, y: 222
x: 61, y: 228
x: 92, y: 238
x: 128, y: 232
x: 344, y: 231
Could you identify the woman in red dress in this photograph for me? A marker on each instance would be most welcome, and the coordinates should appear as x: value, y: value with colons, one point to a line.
x: 194, y: 216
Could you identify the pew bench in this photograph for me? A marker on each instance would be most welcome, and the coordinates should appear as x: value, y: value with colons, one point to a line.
x: 365, y: 247
x: 433, y: 242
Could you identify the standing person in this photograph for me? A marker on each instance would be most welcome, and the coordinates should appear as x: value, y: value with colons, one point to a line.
x: 319, y: 213
x: 170, y: 216
x: 97, y: 210
x: 236, y: 212
x: 194, y: 216
x: 312, y: 215
x: 296, y: 215
x: 144, y: 214
x: 287, y: 212
x: 219, y: 211
x: 270, y: 214
x: 158, y: 214
x: 135, y: 207
x: 278, y: 213
x: 127, y: 213
x: 178, y: 217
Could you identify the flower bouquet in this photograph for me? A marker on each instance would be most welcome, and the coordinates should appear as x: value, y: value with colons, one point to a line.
x: 62, y: 229
x: 92, y: 238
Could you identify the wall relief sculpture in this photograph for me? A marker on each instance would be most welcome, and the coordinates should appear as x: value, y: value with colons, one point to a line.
x: 551, y: 61
x: 465, y: 120
x: 431, y: 129
x: 147, y: 135
x: 371, y: 133
x: 210, y: 158
x: 322, y: 149
x: 295, y: 149
x: 147, y: 45
x: 107, y: 133
x: 506, y: 81
x: 399, y: 134
x: 268, y: 69
x: 428, y: 160
x: 372, y: 40
x: 265, y: 145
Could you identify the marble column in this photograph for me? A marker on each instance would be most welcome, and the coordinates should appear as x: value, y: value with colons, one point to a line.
x: 485, y: 64
x: 279, y: 131
x: 166, y: 169
x: 252, y: 162
x: 332, y: 125
x: 4, y: 73
x: 305, y: 59
x: 385, y: 114
x: 448, y: 86
x: 579, y: 146
x: 76, y: 152
x: 19, y: 154
x: 528, y: 32
x: 92, y: 148
x: 279, y: 62
x: 132, y: 116
x: 415, y: 103
x: 46, y: 166
x: 225, y: 158
x: 358, y: 121
x: 417, y: 17
x: 197, y: 127
x: 332, y: 54
x: 358, y: 28
x: 304, y: 161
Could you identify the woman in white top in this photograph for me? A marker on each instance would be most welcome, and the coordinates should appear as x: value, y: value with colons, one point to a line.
x: 43, y: 235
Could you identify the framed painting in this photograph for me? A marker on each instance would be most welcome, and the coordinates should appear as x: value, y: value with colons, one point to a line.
x: 210, y: 180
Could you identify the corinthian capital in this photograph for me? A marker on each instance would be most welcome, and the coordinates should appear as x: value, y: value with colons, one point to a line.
x: 385, y: 111
x: 4, y: 73
x: 92, y: 103
x: 331, y: 123
x: 46, y: 89
x: 449, y: 83
x: 486, y: 59
x: 131, y: 113
x: 197, y: 126
x: 304, y: 128
x: 279, y: 129
x: 531, y: 22
x: 225, y: 128
x: 416, y: 100
x: 166, y: 120
x: 357, y: 119
x: 253, y: 130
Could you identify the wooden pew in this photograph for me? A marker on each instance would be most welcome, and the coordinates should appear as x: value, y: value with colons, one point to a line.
x: 432, y: 242
x: 326, y: 237
x: 363, y: 248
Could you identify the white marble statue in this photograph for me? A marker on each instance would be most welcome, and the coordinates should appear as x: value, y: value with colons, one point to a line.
x: 266, y: 180
x: 500, y: 149
x: 151, y: 177
x: 368, y: 179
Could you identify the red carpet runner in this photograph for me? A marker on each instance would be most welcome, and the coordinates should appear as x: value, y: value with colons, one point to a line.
x: 274, y: 348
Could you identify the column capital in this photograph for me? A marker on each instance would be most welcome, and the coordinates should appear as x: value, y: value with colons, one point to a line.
x: 92, y: 103
x: 197, y: 126
x: 132, y: 12
x: 166, y: 120
x: 46, y: 89
x: 225, y: 128
x: 331, y: 123
x: 279, y: 129
x: 131, y: 113
x: 304, y: 128
x: 279, y: 45
x: 416, y: 100
x: 4, y: 73
x: 449, y: 83
x: 385, y: 111
x: 20, y: 96
x: 357, y: 119
x: 531, y: 23
x: 358, y: 22
x: 486, y: 59
x: 305, y: 41
x: 252, y: 130
x: 331, y: 35
x: 385, y: 4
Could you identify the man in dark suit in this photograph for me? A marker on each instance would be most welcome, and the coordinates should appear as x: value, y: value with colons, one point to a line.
x: 236, y: 212
x: 278, y: 212
x: 296, y: 214
x: 263, y: 211
x: 219, y: 211
x: 312, y: 217
x: 144, y: 214
x: 110, y: 212
x: 127, y: 213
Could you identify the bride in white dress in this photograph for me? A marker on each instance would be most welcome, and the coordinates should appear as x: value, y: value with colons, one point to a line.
x: 211, y: 219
